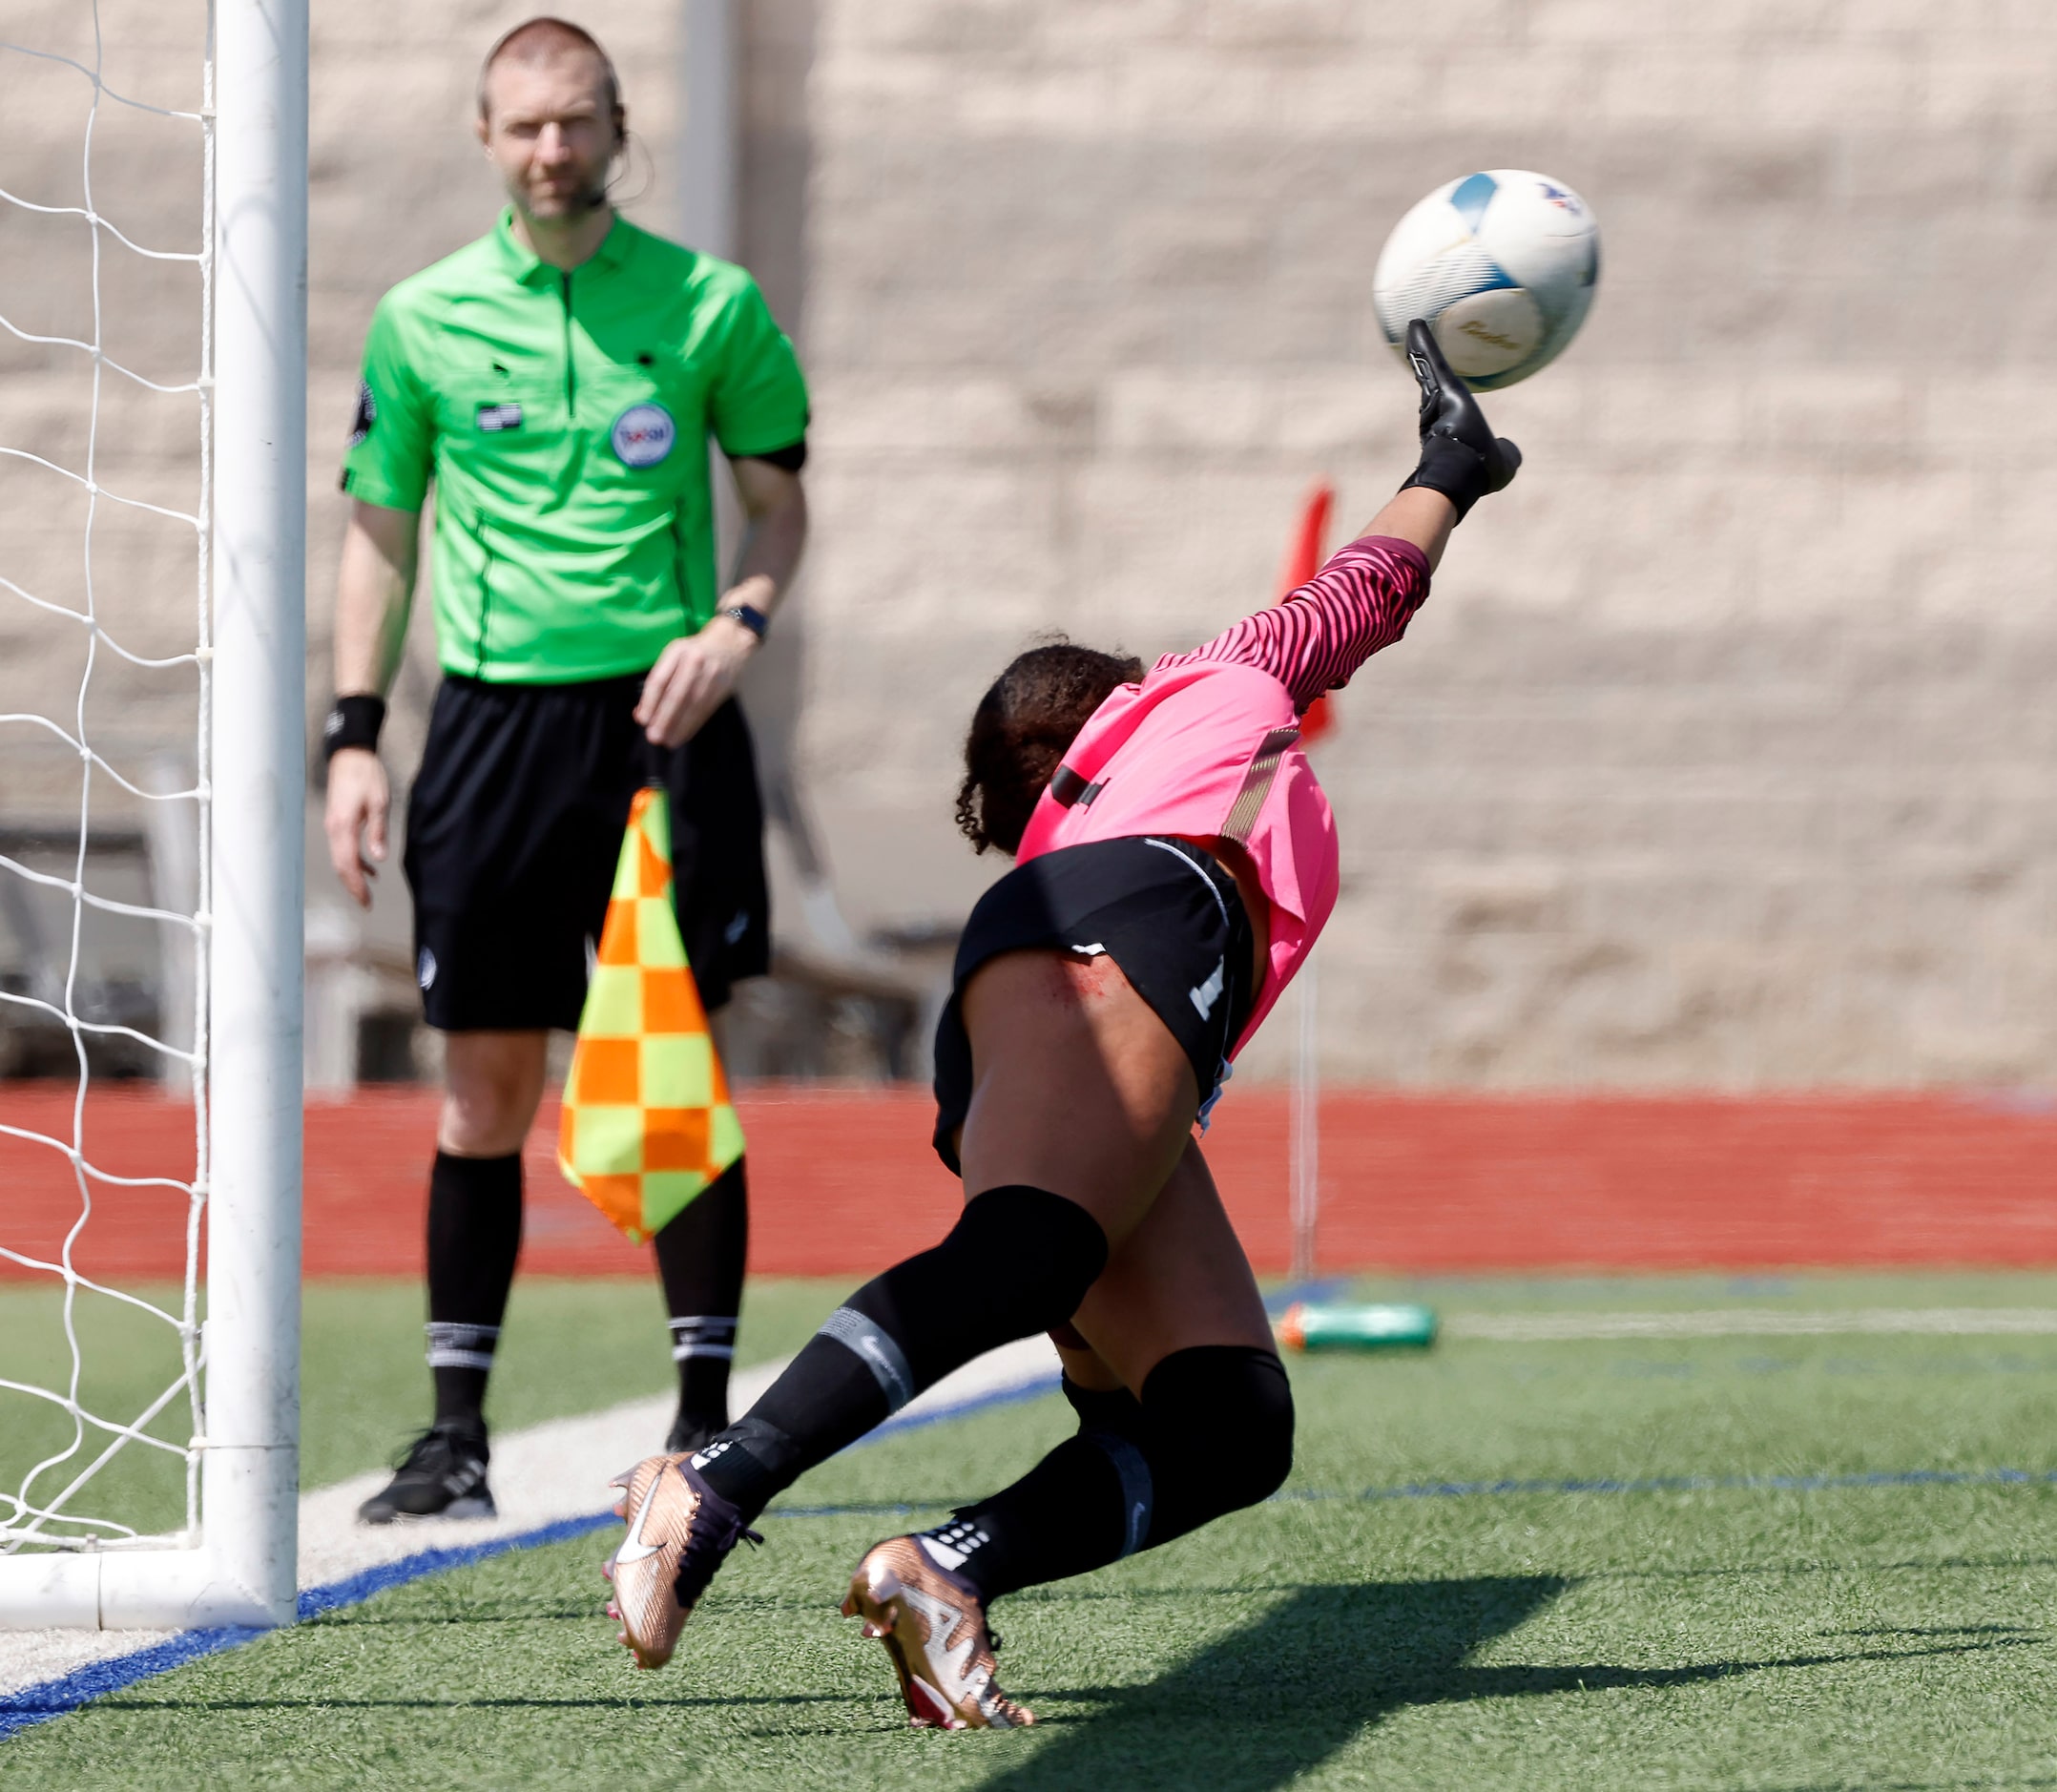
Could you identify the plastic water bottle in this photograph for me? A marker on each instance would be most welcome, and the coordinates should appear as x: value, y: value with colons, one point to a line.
x: 1321, y: 1325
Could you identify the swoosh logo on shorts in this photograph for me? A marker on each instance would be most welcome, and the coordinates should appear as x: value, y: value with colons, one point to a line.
x: 633, y: 1547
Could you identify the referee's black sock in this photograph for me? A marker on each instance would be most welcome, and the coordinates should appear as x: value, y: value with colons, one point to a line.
x: 1018, y: 1260
x: 1215, y: 1434
x: 475, y: 1236
x: 700, y: 1257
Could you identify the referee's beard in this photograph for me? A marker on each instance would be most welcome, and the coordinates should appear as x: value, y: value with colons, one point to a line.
x: 580, y: 203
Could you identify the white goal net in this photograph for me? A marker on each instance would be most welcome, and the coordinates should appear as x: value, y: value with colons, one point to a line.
x: 150, y: 558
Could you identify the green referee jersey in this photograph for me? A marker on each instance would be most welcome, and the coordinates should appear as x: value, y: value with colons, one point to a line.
x: 564, y: 416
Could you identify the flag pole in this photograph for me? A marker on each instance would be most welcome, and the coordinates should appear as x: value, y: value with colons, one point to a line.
x: 1306, y: 1144
x: 1303, y: 559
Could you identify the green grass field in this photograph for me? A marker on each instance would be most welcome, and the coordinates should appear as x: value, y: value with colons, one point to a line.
x: 1876, y: 1636
x: 572, y: 1347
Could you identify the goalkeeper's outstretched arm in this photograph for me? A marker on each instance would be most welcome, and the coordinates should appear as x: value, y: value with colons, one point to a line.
x: 1413, y: 514
x: 374, y: 592
x: 1365, y: 596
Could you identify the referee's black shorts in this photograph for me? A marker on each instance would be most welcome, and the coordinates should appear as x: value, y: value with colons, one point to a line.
x: 513, y: 827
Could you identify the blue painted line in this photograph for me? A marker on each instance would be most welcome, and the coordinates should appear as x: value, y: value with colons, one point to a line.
x: 1275, y: 1305
x: 32, y: 1705
x: 861, y: 1509
x: 1489, y: 1490
x: 1701, y: 1483
x: 961, y: 1408
x: 53, y: 1698
x: 36, y: 1704
x: 356, y: 1589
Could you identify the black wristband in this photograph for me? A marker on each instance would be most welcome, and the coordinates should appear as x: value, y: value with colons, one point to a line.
x: 1453, y: 469
x: 749, y: 615
x: 354, y: 722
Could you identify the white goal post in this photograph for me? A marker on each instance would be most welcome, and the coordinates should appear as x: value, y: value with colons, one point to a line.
x: 238, y: 1566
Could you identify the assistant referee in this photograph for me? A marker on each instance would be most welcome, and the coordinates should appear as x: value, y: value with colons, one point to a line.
x: 558, y: 379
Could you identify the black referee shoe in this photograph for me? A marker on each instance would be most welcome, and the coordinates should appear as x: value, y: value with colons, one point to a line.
x: 443, y: 1475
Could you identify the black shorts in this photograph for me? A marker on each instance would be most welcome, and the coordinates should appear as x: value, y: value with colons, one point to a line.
x: 1162, y: 910
x: 513, y: 827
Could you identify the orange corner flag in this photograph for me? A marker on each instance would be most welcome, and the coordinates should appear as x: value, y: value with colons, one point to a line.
x: 647, y: 1122
x: 1303, y: 561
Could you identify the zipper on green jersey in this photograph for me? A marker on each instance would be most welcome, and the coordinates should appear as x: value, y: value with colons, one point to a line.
x: 678, y: 568
x: 571, y: 371
x: 486, y: 593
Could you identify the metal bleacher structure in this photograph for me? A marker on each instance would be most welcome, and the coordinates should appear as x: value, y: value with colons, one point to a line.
x: 842, y: 1002
x: 835, y: 1006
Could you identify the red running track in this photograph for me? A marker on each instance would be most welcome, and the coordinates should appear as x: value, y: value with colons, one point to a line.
x: 842, y: 1182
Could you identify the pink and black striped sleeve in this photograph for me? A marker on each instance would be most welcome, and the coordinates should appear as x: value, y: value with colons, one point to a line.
x: 1360, y: 601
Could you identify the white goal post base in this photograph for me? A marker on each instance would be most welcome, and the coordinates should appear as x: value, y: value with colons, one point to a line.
x: 248, y: 1502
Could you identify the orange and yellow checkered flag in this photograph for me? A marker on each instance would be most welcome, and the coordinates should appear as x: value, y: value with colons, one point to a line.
x: 647, y: 1120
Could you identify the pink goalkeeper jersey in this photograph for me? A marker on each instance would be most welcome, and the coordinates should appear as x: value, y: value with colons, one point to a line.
x: 1207, y: 745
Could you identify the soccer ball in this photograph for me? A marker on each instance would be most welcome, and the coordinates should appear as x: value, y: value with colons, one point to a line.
x: 1502, y: 267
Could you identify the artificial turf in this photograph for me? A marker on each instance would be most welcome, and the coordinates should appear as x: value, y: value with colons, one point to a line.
x: 1372, y: 1628
x: 570, y: 1347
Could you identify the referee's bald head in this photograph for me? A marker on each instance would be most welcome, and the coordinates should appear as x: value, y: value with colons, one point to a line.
x: 538, y: 42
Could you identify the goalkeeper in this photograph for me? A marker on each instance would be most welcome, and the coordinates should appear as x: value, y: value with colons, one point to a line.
x: 558, y: 379
x: 1176, y: 859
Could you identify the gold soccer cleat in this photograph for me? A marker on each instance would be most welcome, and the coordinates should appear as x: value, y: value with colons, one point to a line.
x: 679, y: 1532
x: 933, y: 1626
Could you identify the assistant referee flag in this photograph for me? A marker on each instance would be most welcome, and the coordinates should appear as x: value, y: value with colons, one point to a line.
x: 647, y: 1122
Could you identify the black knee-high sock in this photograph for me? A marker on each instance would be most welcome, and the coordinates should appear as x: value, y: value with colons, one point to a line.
x: 475, y: 1236
x: 700, y: 1257
x: 1215, y: 1434
x: 1113, y: 1410
x: 1018, y: 1261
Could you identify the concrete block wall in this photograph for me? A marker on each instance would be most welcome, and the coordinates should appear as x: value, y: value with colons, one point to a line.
x: 135, y: 571
x: 396, y: 181
x: 1721, y: 755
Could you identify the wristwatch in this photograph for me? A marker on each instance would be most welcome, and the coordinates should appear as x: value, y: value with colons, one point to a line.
x: 750, y: 616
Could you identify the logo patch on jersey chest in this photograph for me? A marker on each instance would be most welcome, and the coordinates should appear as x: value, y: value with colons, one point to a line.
x: 501, y: 416
x: 643, y: 435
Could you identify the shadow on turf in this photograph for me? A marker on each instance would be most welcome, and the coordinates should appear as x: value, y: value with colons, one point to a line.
x: 1267, y: 1703
x: 1258, y: 1708
x: 1280, y: 1695
x: 1919, y: 1785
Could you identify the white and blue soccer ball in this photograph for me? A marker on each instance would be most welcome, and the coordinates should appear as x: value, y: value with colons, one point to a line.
x: 1502, y: 264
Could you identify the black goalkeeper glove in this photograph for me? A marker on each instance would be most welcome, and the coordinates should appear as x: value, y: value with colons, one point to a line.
x: 1461, y: 456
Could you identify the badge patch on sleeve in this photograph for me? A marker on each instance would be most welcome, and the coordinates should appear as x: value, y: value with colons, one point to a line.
x: 365, y: 415
x: 643, y: 435
x: 493, y: 417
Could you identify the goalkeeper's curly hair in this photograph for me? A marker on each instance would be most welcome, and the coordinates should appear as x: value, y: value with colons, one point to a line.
x: 1020, y: 731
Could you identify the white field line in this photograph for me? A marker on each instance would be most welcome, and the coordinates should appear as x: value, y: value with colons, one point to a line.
x: 549, y: 1471
x: 28, y: 1657
x: 559, y: 1469
x: 1937, y: 1321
